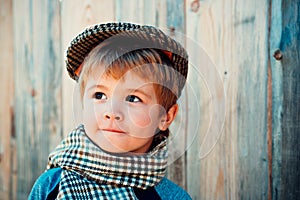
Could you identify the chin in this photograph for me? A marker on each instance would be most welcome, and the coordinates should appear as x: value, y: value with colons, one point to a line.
x: 113, y: 149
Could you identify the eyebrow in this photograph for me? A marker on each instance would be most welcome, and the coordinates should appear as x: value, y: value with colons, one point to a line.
x: 101, y: 87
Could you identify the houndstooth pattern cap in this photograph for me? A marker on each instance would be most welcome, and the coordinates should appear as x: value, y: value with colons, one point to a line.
x: 147, y: 36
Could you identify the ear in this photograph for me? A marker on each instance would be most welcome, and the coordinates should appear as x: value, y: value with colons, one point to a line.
x: 168, y: 118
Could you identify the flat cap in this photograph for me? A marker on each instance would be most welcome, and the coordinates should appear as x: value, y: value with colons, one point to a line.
x: 147, y: 36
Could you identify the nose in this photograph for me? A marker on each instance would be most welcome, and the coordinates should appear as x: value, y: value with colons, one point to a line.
x: 112, y: 116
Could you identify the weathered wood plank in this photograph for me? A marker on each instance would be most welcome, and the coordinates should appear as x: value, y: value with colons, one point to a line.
x: 277, y: 98
x: 239, y: 159
x: 161, y: 14
x: 142, y: 12
x: 37, y: 79
x: 252, y: 139
x: 206, y: 159
x: 235, y: 36
x: 130, y: 11
x: 175, y: 25
x: 252, y: 98
x: 286, y: 73
x: 6, y: 93
x: 77, y: 15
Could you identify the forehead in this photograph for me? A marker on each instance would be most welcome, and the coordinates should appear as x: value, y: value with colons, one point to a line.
x: 130, y: 79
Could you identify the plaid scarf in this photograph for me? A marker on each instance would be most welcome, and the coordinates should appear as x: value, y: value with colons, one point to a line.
x: 90, y: 173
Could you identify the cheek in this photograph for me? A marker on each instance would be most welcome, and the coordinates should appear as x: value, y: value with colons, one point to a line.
x: 141, y: 119
x: 147, y: 117
x: 89, y: 114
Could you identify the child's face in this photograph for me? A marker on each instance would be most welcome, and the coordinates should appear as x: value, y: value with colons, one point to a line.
x: 121, y: 115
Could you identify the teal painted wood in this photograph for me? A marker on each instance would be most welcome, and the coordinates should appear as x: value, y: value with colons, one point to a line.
x: 237, y: 168
x: 290, y: 116
x: 251, y: 50
x: 176, y: 15
x: 285, y: 42
x: 277, y: 97
x: 37, y: 80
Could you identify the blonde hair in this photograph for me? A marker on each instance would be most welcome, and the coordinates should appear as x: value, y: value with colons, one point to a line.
x: 150, y: 64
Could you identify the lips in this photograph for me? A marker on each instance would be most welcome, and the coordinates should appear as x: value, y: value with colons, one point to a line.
x: 113, y: 130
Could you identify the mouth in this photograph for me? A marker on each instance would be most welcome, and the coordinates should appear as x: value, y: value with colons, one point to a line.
x: 113, y: 130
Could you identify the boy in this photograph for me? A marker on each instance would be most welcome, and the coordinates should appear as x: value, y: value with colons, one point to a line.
x: 130, y: 77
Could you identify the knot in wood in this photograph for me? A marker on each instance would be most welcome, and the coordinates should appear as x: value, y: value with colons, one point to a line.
x: 277, y: 54
x: 195, y: 5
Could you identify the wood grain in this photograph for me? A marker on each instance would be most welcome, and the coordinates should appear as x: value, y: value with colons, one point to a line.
x: 290, y: 116
x: 241, y: 150
x: 175, y: 25
x: 6, y: 93
x: 37, y: 81
x: 238, y: 97
x: 77, y: 15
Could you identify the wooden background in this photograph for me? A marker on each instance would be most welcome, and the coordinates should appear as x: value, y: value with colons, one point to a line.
x: 237, y: 133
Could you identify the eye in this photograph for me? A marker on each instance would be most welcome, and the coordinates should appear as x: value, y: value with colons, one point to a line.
x: 100, y: 96
x: 133, y: 99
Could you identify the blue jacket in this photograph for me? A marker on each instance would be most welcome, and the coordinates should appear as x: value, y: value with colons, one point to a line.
x: 46, y: 184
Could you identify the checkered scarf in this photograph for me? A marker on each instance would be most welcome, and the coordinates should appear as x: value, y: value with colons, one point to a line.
x: 90, y: 173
